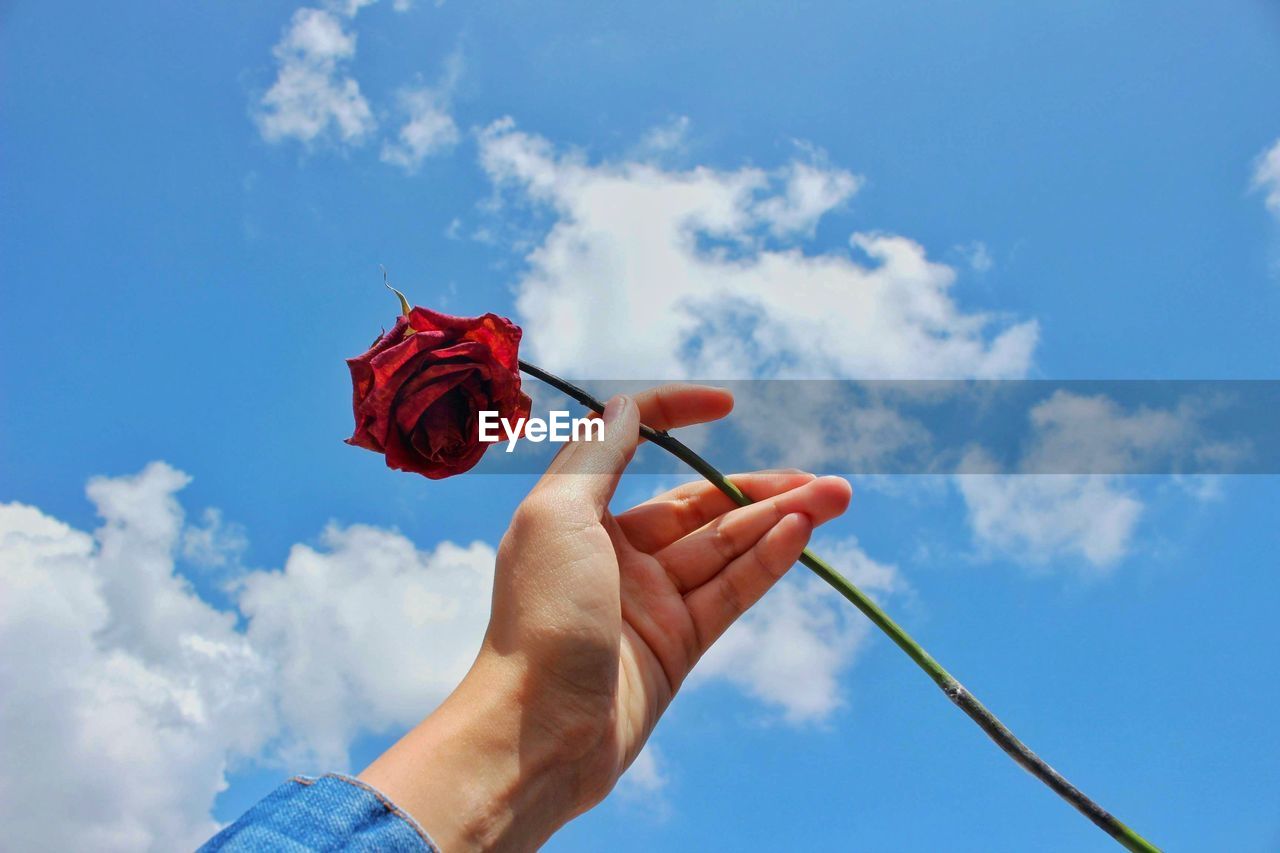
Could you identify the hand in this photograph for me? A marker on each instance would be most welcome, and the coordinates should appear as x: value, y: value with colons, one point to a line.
x: 597, y: 619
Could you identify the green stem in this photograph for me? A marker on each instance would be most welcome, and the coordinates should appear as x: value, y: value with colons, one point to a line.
x: 954, y: 690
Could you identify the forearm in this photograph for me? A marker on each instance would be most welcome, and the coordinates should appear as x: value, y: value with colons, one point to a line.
x: 481, y: 773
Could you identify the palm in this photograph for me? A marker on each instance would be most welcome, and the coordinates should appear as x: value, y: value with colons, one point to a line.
x: 612, y: 612
x: 681, y: 568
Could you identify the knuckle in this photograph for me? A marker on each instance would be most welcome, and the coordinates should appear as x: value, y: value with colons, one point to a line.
x: 662, y: 401
x: 686, y: 512
x: 616, y: 457
x: 731, y: 596
x: 722, y: 540
x: 775, y: 513
x: 761, y: 562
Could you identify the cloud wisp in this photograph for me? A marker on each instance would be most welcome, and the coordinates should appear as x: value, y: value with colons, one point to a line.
x: 1266, y: 177
x: 429, y: 128
x: 314, y: 95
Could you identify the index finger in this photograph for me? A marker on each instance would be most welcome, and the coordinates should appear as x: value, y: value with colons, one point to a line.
x: 680, y: 404
x: 659, y: 521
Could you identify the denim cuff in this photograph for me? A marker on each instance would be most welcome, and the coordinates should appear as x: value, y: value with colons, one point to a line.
x: 329, y: 812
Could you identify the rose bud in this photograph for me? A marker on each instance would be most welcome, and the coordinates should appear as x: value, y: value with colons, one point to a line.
x: 421, y: 386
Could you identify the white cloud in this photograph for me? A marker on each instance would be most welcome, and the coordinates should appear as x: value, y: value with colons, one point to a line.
x: 873, y: 577
x: 1076, y: 432
x: 129, y: 694
x: 978, y: 256
x: 350, y: 8
x: 811, y: 191
x: 869, y: 433
x: 429, y: 128
x: 313, y: 96
x: 667, y: 137
x: 368, y: 633
x: 1266, y: 177
x: 127, y: 674
x: 215, y: 543
x: 1042, y: 516
x: 790, y: 650
x: 654, y: 273
x: 645, y: 777
x: 1204, y: 488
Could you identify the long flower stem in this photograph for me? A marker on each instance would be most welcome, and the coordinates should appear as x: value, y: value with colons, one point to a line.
x: 954, y: 690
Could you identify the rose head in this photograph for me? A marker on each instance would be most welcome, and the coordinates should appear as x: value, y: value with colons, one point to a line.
x: 420, y: 387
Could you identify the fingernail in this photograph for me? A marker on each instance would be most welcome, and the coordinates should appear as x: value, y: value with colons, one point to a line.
x: 615, y: 407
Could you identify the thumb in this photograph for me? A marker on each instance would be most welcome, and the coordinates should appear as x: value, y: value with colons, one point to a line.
x: 588, y: 473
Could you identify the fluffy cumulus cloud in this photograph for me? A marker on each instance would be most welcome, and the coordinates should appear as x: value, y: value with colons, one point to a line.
x: 790, y: 650
x: 313, y: 95
x: 809, y: 191
x: 648, y: 272
x: 124, y: 694
x: 428, y: 127
x: 1050, y: 516
x: 1266, y: 177
x: 366, y: 632
x: 127, y: 674
x: 843, y: 432
x: 1040, y: 516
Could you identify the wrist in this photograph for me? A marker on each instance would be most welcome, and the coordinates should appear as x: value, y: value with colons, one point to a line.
x: 481, y: 772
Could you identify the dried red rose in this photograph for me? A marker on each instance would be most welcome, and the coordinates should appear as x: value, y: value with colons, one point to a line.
x: 421, y: 386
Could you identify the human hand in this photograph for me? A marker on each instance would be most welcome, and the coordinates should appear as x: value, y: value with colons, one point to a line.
x: 597, y: 619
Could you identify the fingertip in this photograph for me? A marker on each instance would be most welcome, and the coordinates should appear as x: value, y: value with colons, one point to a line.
x: 797, y: 524
x: 840, y: 488
x: 712, y: 401
x: 723, y: 397
x: 615, y: 408
x: 794, y: 530
x: 800, y: 519
x: 621, y: 419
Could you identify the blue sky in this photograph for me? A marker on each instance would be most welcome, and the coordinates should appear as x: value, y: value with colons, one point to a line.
x: 187, y: 258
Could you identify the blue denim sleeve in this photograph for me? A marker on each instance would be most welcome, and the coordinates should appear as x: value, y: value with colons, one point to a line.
x: 331, y: 812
